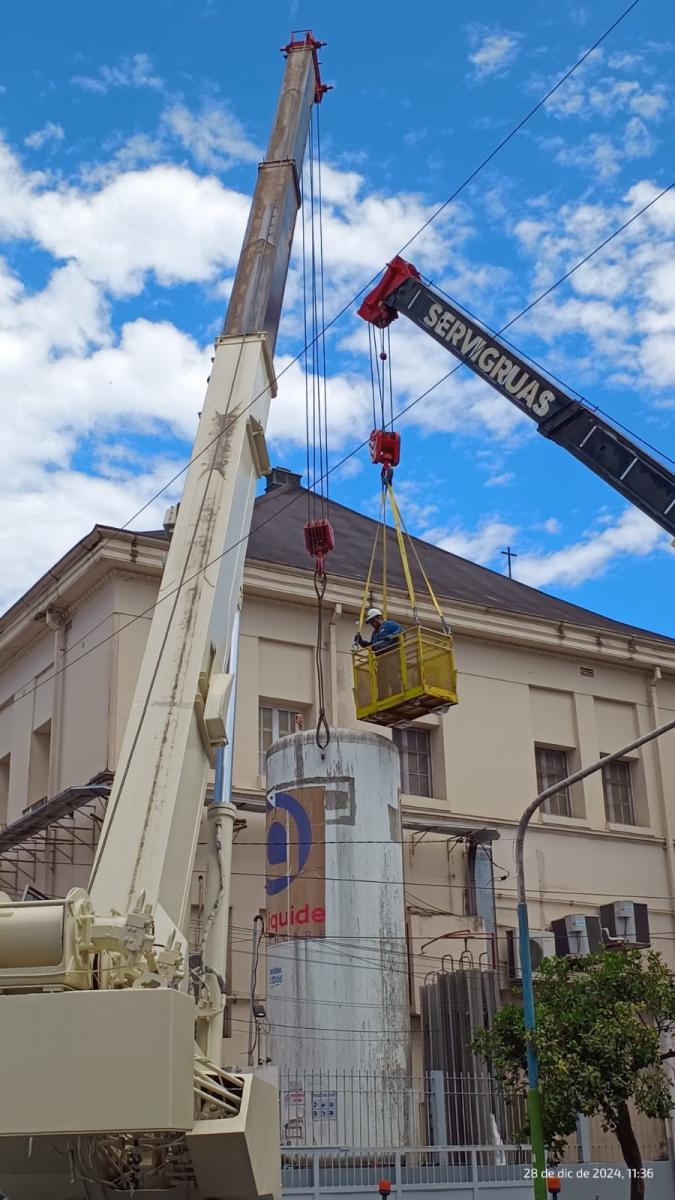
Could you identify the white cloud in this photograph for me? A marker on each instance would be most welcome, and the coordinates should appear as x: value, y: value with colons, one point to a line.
x: 604, y: 154
x: 501, y: 480
x: 462, y: 404
x: 633, y: 534
x: 165, y: 220
x: 49, y: 132
x: 135, y: 151
x: 417, y: 507
x: 53, y: 511
x: 588, y: 95
x: 134, y: 71
x: 550, y: 525
x: 214, y: 137
x: 493, y: 52
x: 622, y: 302
x: 348, y: 408
x: 72, y: 381
x: 482, y: 545
x: 621, y: 61
x: 78, y: 380
x: 638, y: 142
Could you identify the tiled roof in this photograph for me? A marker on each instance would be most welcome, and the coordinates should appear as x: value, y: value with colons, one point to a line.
x: 277, y: 537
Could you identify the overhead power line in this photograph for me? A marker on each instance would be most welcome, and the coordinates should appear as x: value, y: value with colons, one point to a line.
x: 336, y: 466
x: 535, y: 891
x: 441, y: 208
x: 523, y: 121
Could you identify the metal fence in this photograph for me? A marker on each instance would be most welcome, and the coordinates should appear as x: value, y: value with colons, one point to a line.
x: 333, y: 1108
x: 602, y: 1145
x: 346, y: 1109
x: 361, y: 1168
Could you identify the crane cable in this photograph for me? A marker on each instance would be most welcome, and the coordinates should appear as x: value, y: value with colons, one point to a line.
x: 318, y: 532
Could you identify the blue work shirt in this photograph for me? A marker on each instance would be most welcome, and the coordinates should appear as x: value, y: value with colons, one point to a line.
x: 387, y: 631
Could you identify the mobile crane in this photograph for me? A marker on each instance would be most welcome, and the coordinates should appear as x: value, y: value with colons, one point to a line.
x: 561, y: 418
x: 110, y: 1038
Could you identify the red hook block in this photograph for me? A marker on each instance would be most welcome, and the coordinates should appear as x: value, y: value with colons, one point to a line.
x: 319, y: 540
x: 385, y: 447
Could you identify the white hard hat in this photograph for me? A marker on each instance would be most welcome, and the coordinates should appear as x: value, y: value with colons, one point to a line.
x: 372, y: 612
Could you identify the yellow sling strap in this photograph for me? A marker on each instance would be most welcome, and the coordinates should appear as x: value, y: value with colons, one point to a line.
x: 432, y: 594
x: 402, y: 534
x: 366, y: 592
x: 395, y: 512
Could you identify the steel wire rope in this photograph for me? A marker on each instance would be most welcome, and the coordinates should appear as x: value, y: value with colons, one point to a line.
x: 371, y: 352
x: 305, y: 349
x: 325, y: 1031
x: 341, y: 312
x: 255, y: 1024
x: 319, y: 415
x: 346, y: 457
x: 391, y: 384
x: 314, y: 325
x: 324, y: 371
x: 521, y: 123
x: 419, y: 959
x: 423, y: 960
x: 507, y: 893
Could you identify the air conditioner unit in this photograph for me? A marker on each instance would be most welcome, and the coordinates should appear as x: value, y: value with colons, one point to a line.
x: 626, y: 920
x: 577, y: 934
x: 542, y: 946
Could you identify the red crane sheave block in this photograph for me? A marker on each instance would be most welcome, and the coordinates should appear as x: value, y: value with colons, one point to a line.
x: 319, y: 538
x: 385, y: 447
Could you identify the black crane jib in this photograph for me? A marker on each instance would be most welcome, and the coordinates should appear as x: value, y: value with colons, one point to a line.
x: 561, y: 418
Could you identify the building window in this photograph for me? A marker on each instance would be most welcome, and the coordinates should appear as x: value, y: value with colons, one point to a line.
x: 551, y: 769
x: 38, y: 769
x: 274, y: 723
x: 415, y: 749
x: 618, y: 788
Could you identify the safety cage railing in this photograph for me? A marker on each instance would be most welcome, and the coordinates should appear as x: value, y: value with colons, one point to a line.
x: 414, y: 676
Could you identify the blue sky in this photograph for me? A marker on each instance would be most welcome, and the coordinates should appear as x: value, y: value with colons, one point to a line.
x: 130, y: 136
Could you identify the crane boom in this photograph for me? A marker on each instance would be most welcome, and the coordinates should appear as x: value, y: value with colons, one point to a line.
x: 110, y: 1041
x: 561, y: 418
x: 154, y: 812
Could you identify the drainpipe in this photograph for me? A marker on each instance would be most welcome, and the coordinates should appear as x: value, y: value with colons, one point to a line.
x: 332, y: 646
x: 221, y: 816
x: 670, y: 860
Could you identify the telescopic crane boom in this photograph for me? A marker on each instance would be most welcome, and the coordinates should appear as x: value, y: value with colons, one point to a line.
x: 561, y: 418
x: 110, y: 1044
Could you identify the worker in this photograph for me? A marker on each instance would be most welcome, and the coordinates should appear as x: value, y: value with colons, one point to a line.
x: 385, y: 638
x: 384, y: 632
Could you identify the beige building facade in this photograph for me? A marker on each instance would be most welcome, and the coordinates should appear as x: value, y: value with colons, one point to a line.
x: 544, y: 688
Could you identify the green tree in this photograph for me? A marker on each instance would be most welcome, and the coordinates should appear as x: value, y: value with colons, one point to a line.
x: 599, y: 1021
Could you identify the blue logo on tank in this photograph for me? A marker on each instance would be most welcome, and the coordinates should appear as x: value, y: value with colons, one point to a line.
x: 278, y: 847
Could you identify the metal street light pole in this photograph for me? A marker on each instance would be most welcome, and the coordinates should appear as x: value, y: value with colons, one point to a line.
x: 533, y: 1095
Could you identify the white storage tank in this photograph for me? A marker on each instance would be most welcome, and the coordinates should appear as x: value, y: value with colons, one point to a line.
x: 337, y: 975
